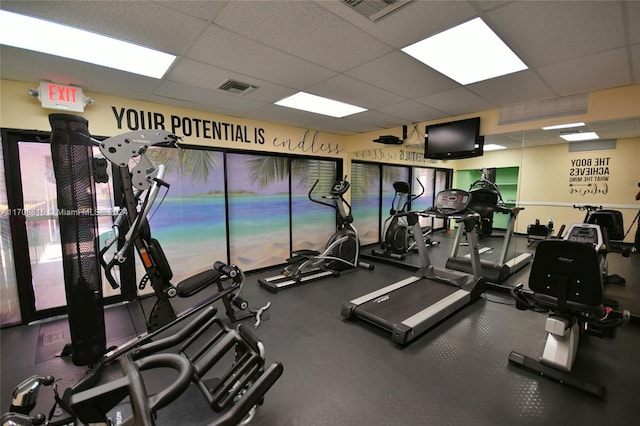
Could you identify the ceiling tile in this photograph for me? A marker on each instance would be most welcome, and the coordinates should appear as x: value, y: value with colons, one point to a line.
x: 512, y: 88
x: 399, y: 73
x: 633, y: 17
x: 458, y: 101
x: 543, y: 32
x: 412, y: 22
x: 233, y: 52
x: 346, y: 89
x: 594, y: 72
x: 158, y: 27
x: 303, y: 29
x: 209, y: 77
x: 411, y: 112
x: 223, y: 101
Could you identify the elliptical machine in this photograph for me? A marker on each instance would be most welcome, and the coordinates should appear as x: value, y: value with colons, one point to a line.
x: 398, y: 236
x: 342, y: 251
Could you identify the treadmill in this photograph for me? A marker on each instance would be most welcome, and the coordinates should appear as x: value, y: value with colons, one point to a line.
x: 411, y: 306
x: 485, y: 202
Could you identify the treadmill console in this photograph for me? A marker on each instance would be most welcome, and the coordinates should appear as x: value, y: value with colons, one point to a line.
x: 452, y: 201
x: 585, y: 233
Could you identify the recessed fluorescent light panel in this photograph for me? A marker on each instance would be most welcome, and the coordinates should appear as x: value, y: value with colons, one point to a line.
x: 319, y: 105
x: 582, y: 136
x: 563, y: 126
x: 35, y: 34
x: 493, y: 147
x: 467, y: 53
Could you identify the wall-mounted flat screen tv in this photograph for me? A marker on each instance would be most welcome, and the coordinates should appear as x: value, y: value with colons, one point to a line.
x: 454, y: 140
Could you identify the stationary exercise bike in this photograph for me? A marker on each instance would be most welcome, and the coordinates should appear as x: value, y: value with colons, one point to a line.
x: 342, y: 251
x: 610, y: 221
x: 566, y: 281
x: 398, y: 236
x: 607, y: 222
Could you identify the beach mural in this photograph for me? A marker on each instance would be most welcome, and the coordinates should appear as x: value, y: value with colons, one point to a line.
x: 312, y: 224
x: 190, y: 220
x: 371, y: 206
x: 365, y: 201
x: 259, y: 218
x: 427, y: 179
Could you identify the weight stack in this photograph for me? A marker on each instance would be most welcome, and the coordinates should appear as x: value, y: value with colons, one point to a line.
x: 72, y: 156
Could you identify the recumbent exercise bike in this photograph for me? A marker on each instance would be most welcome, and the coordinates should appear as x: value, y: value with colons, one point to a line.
x: 566, y: 281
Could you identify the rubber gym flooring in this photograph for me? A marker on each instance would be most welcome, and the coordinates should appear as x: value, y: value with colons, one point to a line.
x: 339, y: 372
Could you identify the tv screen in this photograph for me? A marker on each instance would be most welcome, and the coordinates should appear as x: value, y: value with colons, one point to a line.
x: 454, y: 140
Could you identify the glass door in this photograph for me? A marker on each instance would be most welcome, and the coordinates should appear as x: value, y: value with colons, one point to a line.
x: 41, y: 219
x: 33, y: 218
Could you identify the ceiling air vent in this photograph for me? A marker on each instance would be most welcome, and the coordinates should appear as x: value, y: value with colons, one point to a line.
x: 375, y: 9
x: 236, y: 87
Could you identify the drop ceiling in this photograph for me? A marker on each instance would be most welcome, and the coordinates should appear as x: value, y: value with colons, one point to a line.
x: 329, y: 49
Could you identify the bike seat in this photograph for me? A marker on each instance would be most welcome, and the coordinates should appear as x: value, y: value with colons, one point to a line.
x: 192, y: 285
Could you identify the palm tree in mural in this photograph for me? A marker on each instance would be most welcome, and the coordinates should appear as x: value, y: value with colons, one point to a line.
x: 269, y: 169
x: 196, y: 163
x: 266, y: 170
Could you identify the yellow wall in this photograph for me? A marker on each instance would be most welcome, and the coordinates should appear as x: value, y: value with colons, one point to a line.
x: 545, y: 171
x: 552, y: 180
x: 110, y: 116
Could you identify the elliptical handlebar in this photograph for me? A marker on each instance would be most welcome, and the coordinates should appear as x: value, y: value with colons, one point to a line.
x: 416, y: 196
x: 339, y: 188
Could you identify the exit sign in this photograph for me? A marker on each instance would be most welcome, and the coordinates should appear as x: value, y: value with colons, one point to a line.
x: 61, y: 96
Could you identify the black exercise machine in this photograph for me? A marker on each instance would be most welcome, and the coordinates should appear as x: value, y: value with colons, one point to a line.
x: 398, y: 236
x: 409, y: 307
x: 610, y: 221
x: 486, y: 201
x: 566, y: 281
x: 342, y: 251
x: 204, y: 347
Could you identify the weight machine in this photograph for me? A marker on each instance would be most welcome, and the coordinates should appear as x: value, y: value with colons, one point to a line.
x: 236, y: 392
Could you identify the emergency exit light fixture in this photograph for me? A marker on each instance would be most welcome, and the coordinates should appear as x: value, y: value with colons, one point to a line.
x: 61, y: 96
x: 51, y: 38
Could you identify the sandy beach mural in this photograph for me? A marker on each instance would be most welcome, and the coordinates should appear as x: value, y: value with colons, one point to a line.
x: 191, y: 223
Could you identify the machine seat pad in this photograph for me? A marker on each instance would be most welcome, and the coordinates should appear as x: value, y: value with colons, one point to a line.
x: 195, y: 283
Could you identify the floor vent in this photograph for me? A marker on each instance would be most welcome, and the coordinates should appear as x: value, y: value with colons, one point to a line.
x: 375, y: 9
x: 236, y: 87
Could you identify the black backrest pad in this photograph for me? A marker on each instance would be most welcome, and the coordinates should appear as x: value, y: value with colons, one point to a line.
x: 568, y: 272
x: 611, y: 220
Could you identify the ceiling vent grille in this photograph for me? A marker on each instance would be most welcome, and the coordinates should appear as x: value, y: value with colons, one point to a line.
x: 236, y: 87
x: 375, y: 9
x: 549, y: 108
